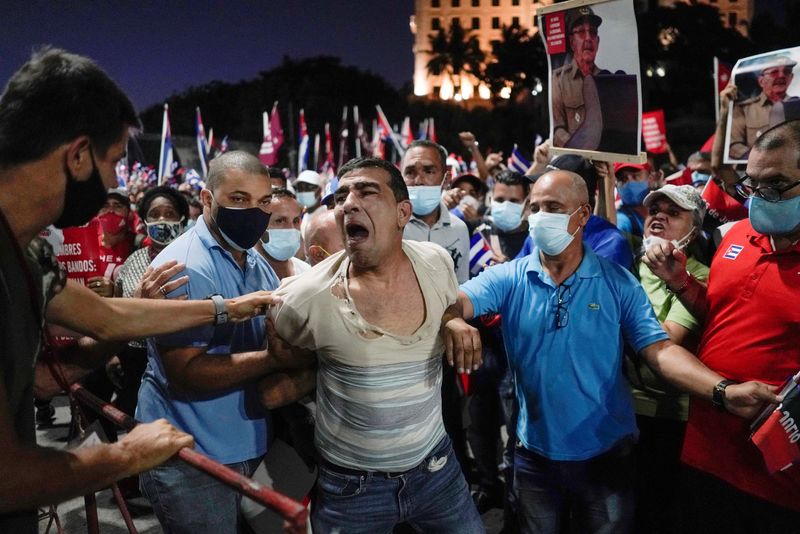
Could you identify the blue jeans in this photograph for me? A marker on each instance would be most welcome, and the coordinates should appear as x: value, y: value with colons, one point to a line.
x: 431, y: 497
x: 597, y: 494
x: 186, y: 500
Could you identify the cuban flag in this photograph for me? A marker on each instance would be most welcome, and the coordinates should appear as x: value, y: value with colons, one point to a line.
x: 386, y: 130
x: 406, y: 136
x: 202, y: 143
x: 268, y: 153
x: 167, y: 154
x: 423, y: 130
x: 517, y: 161
x: 344, y: 134
x: 480, y: 254
x: 302, y: 152
x: 329, y: 163
x: 432, y: 130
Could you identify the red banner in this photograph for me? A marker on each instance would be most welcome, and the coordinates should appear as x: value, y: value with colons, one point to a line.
x: 555, y: 32
x: 654, y: 131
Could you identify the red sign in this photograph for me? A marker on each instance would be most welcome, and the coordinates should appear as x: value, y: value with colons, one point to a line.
x: 80, y: 253
x: 654, y: 131
x: 555, y: 30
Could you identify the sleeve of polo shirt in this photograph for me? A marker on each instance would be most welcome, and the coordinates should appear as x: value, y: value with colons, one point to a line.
x: 487, y: 292
x: 640, y: 327
x: 199, y: 287
x: 615, y: 247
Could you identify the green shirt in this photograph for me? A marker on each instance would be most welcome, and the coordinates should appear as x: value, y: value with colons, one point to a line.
x: 652, y: 396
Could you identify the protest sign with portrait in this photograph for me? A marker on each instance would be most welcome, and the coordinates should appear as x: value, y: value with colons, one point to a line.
x: 767, y: 95
x: 595, y: 85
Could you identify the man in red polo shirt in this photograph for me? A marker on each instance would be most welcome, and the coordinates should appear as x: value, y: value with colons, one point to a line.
x: 752, y: 332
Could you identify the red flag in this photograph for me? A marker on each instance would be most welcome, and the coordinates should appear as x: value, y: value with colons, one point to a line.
x: 721, y: 205
x: 275, y: 128
x: 406, y: 136
x: 344, y: 133
x: 432, y: 131
x: 654, y: 131
x: 268, y: 153
x: 329, y: 147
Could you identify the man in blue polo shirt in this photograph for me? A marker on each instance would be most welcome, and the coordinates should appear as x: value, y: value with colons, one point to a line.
x: 203, y: 380
x: 565, y: 311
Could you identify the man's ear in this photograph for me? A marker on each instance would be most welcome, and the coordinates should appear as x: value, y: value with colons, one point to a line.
x: 206, y: 197
x: 78, y: 158
x: 404, y: 210
x: 316, y: 253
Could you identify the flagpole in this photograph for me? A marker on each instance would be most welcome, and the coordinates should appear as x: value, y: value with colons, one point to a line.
x: 716, y: 88
x: 385, y: 122
x: 359, y: 132
x: 164, y: 126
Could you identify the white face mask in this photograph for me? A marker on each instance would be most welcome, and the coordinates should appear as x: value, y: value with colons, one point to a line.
x: 307, y: 198
x: 549, y: 231
x: 680, y: 244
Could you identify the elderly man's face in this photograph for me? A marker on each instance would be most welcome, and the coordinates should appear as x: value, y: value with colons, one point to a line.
x: 583, y: 40
x: 667, y: 220
x: 774, y: 82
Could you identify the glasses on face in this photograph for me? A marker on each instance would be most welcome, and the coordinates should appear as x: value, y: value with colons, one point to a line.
x: 746, y: 188
x: 564, y: 292
x: 591, y: 32
x: 777, y: 71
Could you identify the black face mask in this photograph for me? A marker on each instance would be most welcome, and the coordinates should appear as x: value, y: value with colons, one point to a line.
x: 82, y: 200
x: 241, y: 228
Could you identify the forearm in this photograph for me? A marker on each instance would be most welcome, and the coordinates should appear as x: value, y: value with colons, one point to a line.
x: 35, y: 476
x: 692, y: 294
x: 681, y: 368
x: 214, y: 372
x: 282, y: 388
x: 607, y: 197
x: 480, y: 163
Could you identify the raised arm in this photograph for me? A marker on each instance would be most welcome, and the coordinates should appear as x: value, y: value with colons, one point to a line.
x: 669, y: 264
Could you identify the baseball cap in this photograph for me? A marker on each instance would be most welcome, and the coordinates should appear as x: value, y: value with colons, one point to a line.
x: 309, y: 177
x: 685, y: 196
x: 330, y: 189
x: 635, y: 166
x: 477, y: 183
x: 574, y: 16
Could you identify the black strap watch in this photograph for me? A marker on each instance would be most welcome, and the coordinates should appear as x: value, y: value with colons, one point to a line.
x: 718, y: 395
x: 220, y: 313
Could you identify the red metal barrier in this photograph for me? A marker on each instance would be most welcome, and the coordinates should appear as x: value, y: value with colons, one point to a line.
x: 294, y: 513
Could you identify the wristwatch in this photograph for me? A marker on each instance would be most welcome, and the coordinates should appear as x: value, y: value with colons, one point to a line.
x: 220, y: 313
x: 718, y: 395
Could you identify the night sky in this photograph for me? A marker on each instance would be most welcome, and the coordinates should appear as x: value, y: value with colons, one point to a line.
x: 153, y: 49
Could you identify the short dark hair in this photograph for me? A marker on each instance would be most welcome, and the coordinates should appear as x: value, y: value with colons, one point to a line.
x: 509, y: 177
x: 54, y: 98
x: 779, y: 136
x: 395, y: 178
x: 177, y: 199
x: 235, y: 159
x: 424, y: 143
x: 282, y: 192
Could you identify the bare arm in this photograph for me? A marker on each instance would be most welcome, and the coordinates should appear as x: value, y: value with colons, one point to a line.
x: 720, y: 171
x: 471, y: 144
x: 686, y: 372
x: 191, y: 369
x: 79, y: 309
x: 669, y: 264
x: 541, y: 157
x: 462, y: 341
x: 286, y: 387
x: 35, y: 476
x: 605, y: 206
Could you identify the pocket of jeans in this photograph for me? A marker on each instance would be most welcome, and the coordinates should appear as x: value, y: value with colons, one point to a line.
x: 339, y: 484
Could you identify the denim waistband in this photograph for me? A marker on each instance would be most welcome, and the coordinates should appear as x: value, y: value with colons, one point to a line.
x: 441, y: 449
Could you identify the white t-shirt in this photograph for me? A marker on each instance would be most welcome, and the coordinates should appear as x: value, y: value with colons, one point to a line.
x: 378, y: 394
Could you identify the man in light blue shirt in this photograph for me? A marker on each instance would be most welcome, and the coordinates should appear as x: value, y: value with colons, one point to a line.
x: 203, y: 380
x: 564, y: 314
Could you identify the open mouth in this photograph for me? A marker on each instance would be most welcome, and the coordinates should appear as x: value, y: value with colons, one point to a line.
x: 356, y: 232
x: 656, y: 227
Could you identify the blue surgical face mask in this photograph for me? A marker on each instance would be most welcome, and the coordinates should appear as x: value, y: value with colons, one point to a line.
x: 241, y: 227
x: 633, y: 193
x: 164, y: 232
x: 507, y: 215
x: 775, y: 218
x: 282, y: 243
x: 549, y: 231
x: 424, y: 198
x: 307, y: 198
x: 700, y: 177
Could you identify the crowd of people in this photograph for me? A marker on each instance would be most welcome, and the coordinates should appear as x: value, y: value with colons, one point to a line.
x: 583, y: 345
